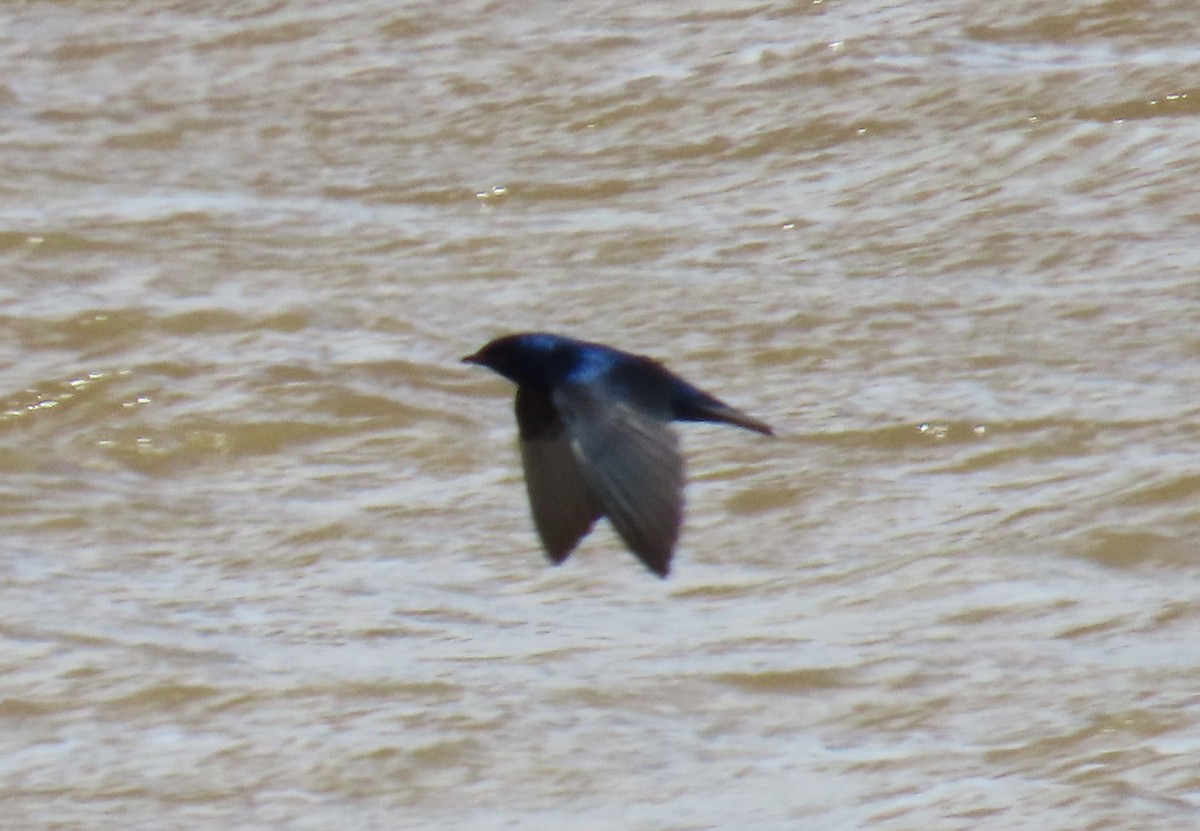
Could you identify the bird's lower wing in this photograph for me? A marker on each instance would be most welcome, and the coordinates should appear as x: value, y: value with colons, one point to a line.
x: 632, y: 462
x: 560, y: 499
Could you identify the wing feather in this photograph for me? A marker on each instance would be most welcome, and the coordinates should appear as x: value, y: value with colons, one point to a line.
x: 631, y: 461
x: 560, y: 499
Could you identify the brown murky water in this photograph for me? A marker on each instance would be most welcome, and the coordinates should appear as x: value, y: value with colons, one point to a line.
x: 266, y: 556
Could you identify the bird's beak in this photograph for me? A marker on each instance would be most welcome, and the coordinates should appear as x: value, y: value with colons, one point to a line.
x: 473, y: 358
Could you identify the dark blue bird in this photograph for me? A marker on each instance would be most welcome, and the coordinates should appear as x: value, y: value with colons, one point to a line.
x: 596, y: 440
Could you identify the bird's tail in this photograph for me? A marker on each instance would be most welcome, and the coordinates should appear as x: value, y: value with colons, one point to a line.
x: 700, y: 406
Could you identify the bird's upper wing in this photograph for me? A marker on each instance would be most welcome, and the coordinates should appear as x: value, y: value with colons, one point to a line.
x: 631, y: 460
x: 563, y: 505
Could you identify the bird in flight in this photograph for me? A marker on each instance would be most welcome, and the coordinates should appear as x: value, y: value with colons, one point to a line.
x: 596, y: 441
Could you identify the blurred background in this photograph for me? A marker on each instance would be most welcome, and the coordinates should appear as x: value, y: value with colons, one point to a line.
x: 266, y: 558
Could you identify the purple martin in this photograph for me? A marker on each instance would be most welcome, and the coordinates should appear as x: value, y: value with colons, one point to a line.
x: 596, y: 440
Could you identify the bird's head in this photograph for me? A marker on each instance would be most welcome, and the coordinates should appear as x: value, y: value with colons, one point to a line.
x: 531, y: 358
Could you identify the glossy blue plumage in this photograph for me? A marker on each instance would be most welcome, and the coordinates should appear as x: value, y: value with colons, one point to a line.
x: 595, y: 440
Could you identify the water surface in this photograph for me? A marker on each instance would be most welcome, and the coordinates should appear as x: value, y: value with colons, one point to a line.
x: 266, y: 556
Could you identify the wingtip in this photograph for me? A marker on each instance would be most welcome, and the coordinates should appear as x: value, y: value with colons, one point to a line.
x: 657, y: 562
